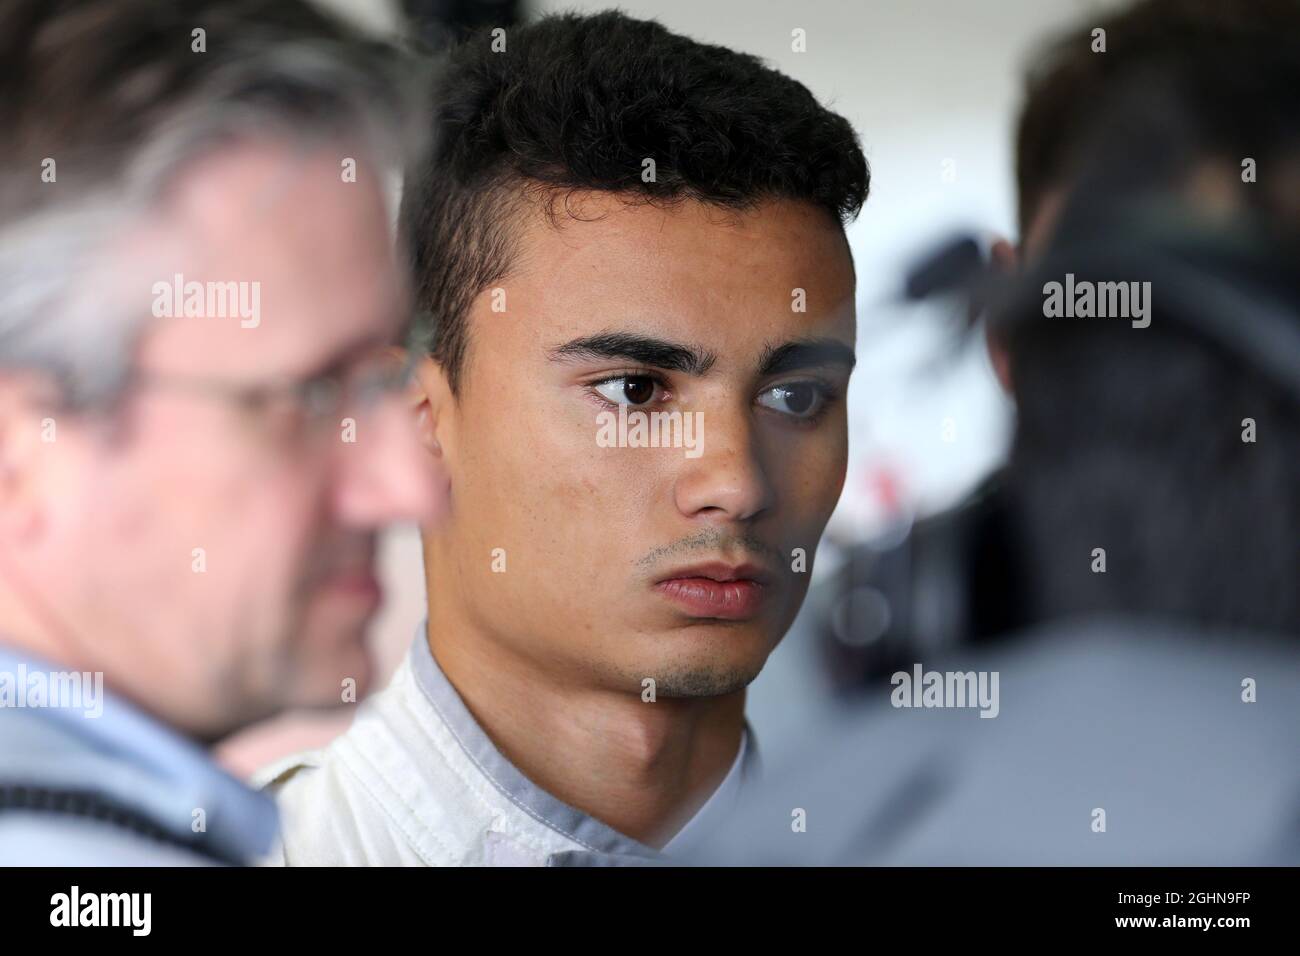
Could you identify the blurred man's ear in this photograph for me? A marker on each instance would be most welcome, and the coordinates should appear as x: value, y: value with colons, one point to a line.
x: 1005, y: 260
x: 1038, y: 228
x: 24, y: 434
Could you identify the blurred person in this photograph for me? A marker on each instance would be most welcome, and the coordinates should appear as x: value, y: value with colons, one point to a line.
x: 958, y: 578
x: 616, y: 222
x: 201, y: 427
x: 1153, y: 495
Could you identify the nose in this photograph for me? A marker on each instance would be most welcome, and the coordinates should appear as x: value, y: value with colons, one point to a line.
x: 385, y: 476
x: 728, y: 481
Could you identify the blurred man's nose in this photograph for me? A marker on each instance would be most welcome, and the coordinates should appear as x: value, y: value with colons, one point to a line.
x: 386, y: 476
x: 728, y: 481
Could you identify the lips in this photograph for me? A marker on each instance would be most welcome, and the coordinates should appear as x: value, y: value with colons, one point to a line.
x: 716, y: 590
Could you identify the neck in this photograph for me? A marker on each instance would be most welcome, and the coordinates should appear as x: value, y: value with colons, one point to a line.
x: 642, y: 768
x: 32, y: 624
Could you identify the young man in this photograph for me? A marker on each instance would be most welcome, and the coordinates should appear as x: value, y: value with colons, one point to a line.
x: 196, y: 311
x: 633, y: 248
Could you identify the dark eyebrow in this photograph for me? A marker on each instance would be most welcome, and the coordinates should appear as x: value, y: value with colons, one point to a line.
x: 806, y: 353
x: 641, y: 349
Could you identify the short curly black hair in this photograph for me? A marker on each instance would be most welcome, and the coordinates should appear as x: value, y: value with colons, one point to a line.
x: 578, y: 103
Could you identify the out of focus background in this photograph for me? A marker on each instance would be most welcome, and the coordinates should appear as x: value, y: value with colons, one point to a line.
x: 933, y: 87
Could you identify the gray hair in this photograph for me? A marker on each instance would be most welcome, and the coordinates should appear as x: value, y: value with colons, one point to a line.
x: 114, y: 92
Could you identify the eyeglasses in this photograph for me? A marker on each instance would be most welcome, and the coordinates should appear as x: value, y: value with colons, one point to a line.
x: 312, y: 405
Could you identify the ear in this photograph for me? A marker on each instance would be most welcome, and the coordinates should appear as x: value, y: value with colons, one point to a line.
x: 434, y: 409
x: 27, y: 437
x: 1004, y: 259
x: 432, y: 404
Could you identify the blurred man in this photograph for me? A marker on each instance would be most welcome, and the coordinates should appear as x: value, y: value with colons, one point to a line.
x: 1153, y: 489
x: 200, y: 431
x: 969, y: 554
x: 633, y: 247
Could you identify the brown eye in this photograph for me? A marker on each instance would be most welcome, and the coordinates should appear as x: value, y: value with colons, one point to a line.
x: 638, y: 390
x: 627, y: 389
x: 798, y: 399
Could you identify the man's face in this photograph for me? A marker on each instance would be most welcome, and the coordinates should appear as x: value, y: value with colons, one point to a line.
x: 226, y: 549
x: 617, y: 556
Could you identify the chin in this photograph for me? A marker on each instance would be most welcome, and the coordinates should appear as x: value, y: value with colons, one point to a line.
x: 684, y: 681
x: 709, y: 659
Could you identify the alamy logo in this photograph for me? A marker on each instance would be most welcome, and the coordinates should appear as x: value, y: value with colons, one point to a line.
x: 1100, y: 300
x: 64, y: 690
x: 208, y: 300
x: 74, y: 908
x: 922, y: 688
x: 638, y: 429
